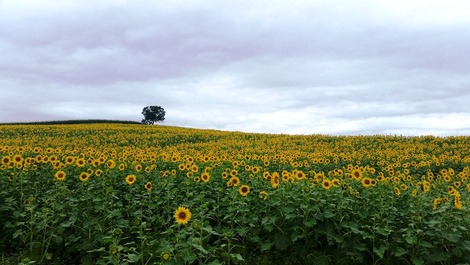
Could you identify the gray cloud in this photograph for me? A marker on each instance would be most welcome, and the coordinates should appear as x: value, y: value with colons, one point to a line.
x: 310, y: 67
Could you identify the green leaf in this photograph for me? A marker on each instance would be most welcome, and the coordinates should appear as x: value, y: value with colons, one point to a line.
x: 237, y: 256
x: 289, y: 216
x: 133, y: 257
x: 329, y: 214
x: 265, y: 246
x: 294, y: 236
x: 215, y: 262
x: 281, y: 241
x: 209, y: 230
x: 97, y: 250
x: 310, y: 222
x: 400, y: 252
x: 452, y: 236
x: 425, y: 244
x: 380, y: 251
x: 410, y: 239
x: 417, y: 260
x: 268, y: 220
x: 17, y: 233
x: 200, y: 248
x: 466, y: 245
x: 288, y: 209
x: 187, y: 256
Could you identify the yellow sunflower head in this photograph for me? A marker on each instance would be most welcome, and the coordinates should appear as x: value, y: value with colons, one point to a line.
x: 60, y: 175
x: 326, y: 184
x: 148, y: 186
x: 84, y: 176
x: 182, y: 215
x: 205, y: 177
x: 244, y: 190
x: 130, y: 179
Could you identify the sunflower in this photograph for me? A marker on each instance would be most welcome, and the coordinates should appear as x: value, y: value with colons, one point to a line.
x: 234, y: 173
x: 426, y: 186
x: 285, y: 176
x: 138, y: 167
x: 166, y: 256
x: 6, y: 160
x: 451, y: 191
x: 326, y: 184
x: 299, y: 175
x: 447, y: 178
x: 84, y: 176
x: 80, y: 162
x: 244, y: 190
x: 267, y: 175
x: 335, y: 182
x: 224, y: 175
x: 263, y: 195
x: 122, y: 167
x: 98, y: 172
x: 205, y: 177
x: 182, y: 215
x: 356, y: 174
x: 148, y: 186
x: 275, y: 180
x: 111, y: 163
x: 373, y: 182
x: 396, y: 190
x: 18, y: 159
x: 60, y: 175
x: 458, y: 202
x: 366, y: 182
x: 235, y: 181
x: 130, y: 179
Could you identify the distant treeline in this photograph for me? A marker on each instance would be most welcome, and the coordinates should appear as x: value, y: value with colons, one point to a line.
x: 70, y: 122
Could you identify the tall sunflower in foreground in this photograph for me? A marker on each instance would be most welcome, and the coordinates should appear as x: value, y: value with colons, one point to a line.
x: 182, y: 215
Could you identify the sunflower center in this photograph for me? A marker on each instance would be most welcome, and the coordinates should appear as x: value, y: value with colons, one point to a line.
x: 182, y: 215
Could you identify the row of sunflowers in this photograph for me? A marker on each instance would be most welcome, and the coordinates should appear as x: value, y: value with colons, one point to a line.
x: 122, y: 194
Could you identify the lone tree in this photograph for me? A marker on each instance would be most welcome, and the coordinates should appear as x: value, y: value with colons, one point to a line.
x: 153, y: 114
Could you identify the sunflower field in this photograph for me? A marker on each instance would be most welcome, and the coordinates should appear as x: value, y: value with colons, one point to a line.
x: 136, y: 194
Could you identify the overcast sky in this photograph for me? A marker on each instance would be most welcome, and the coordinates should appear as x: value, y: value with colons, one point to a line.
x: 275, y: 66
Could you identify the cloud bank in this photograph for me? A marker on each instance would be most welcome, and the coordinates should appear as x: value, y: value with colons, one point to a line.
x: 329, y: 67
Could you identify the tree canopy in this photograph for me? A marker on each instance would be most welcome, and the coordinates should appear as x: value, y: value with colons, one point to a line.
x: 153, y: 114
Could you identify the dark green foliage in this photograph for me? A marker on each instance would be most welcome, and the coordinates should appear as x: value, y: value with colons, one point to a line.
x: 153, y: 114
